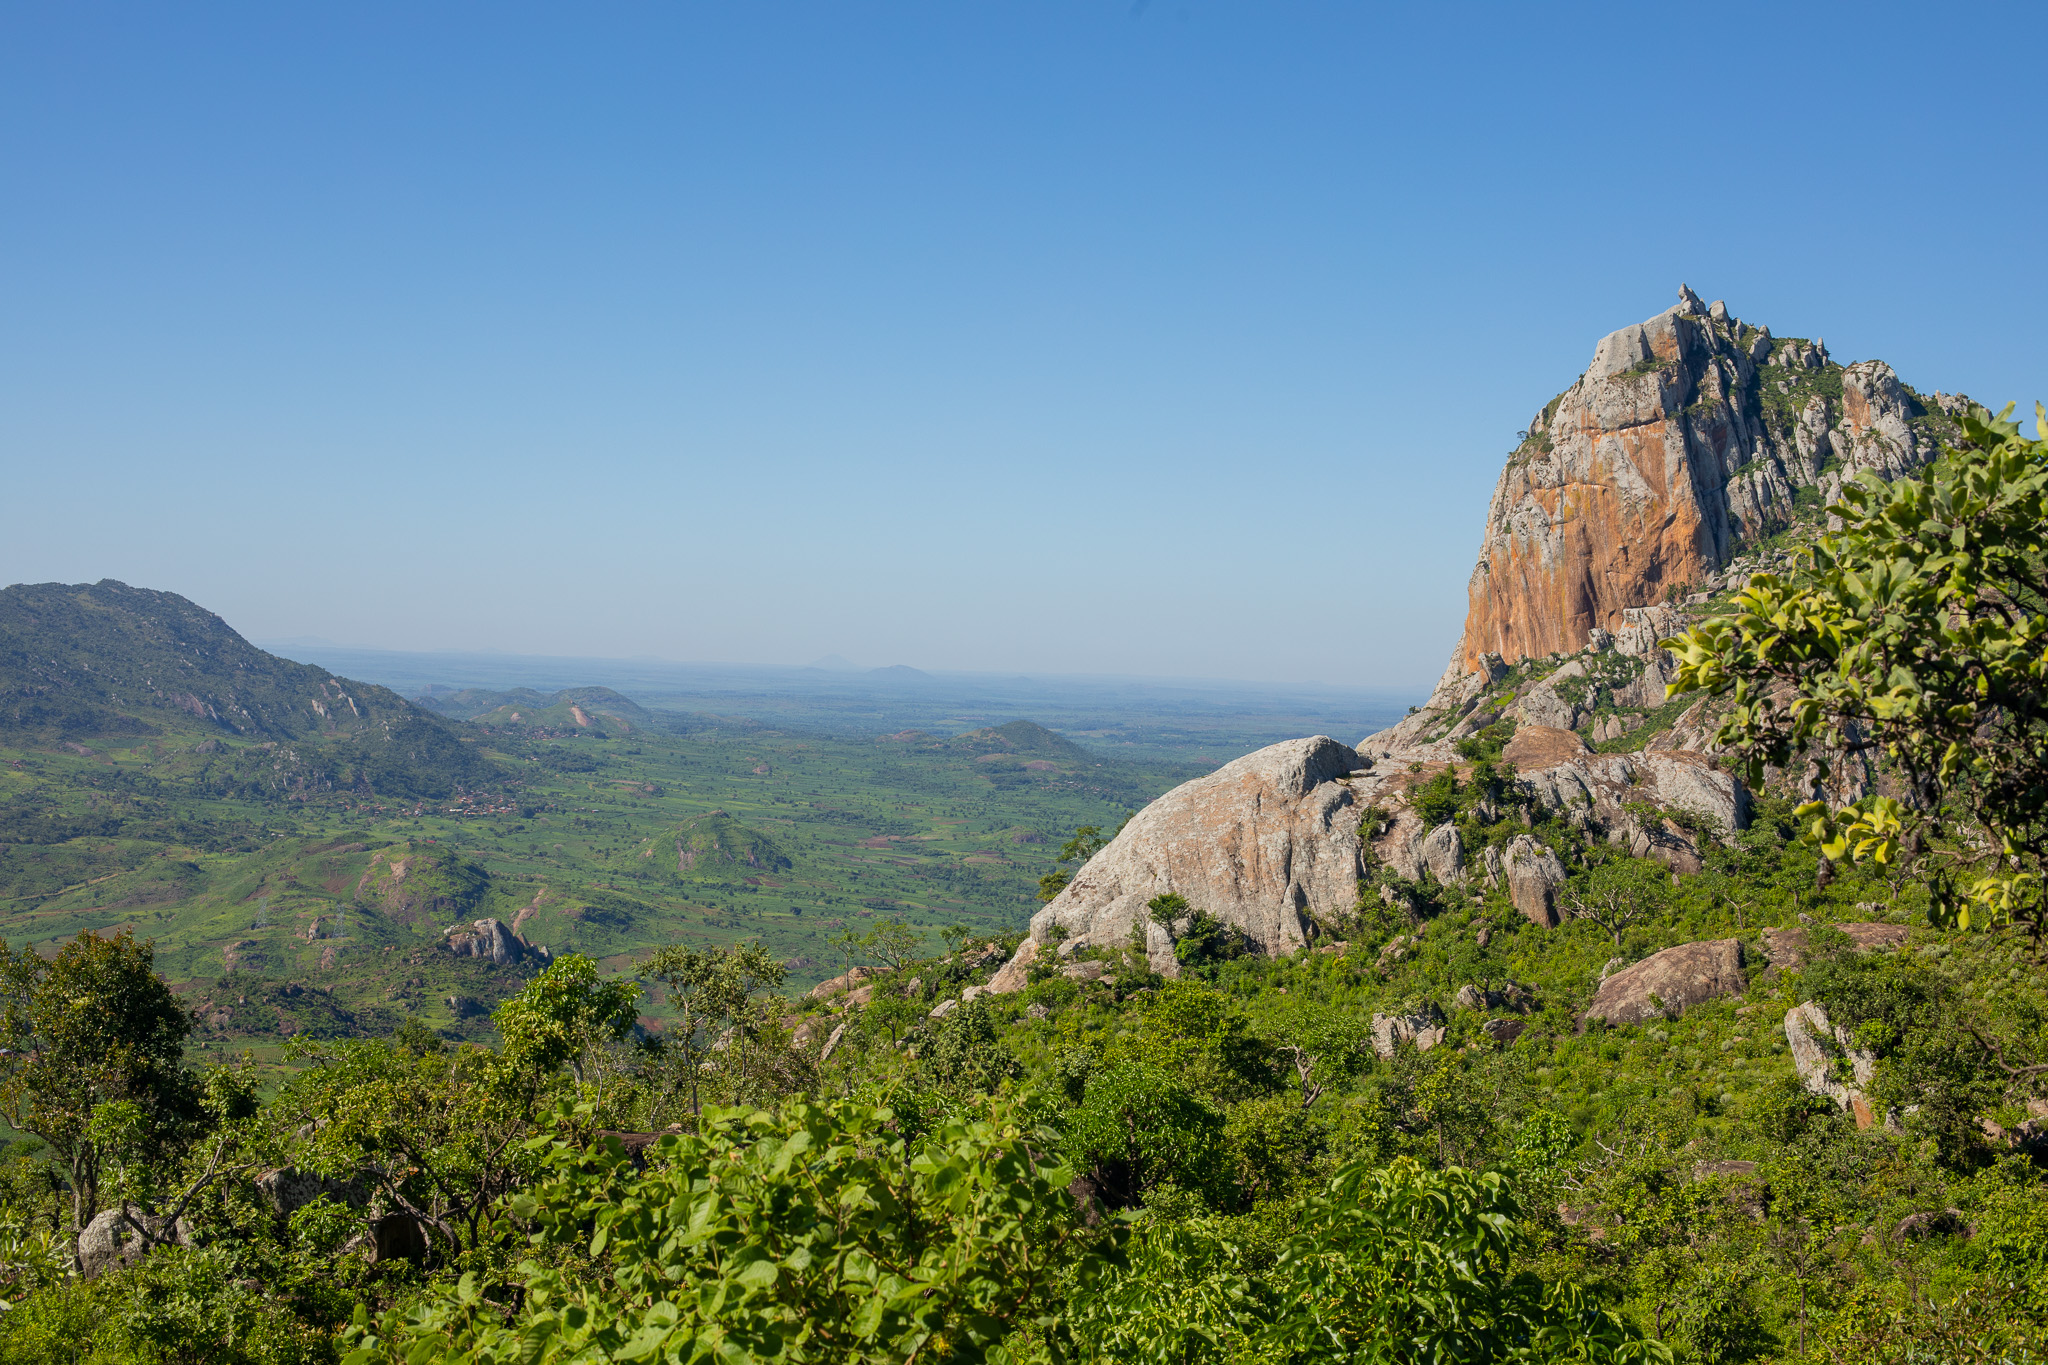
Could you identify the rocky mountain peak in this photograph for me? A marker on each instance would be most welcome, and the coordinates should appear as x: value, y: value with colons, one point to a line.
x: 1689, y: 436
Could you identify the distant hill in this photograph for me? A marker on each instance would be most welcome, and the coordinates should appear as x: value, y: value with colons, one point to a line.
x: 572, y: 708
x: 78, y: 661
x: 1023, y: 738
x: 714, y: 843
x: 899, y: 673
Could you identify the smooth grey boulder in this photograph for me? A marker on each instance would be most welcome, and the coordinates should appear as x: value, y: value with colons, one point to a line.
x: 1667, y: 984
x: 1443, y: 854
x: 1267, y: 844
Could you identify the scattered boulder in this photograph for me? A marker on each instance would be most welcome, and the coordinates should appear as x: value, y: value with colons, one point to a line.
x: 1503, y: 1031
x: 832, y: 1043
x: 115, y: 1237
x: 846, y: 981
x: 943, y: 1008
x: 1443, y: 854
x: 1817, y: 1046
x: 1786, y: 948
x: 1084, y: 972
x: 1665, y: 985
x: 1933, y: 1223
x: 287, y: 1189
x: 1391, y: 1030
x: 1508, y: 997
x: 1533, y: 874
x: 1015, y: 974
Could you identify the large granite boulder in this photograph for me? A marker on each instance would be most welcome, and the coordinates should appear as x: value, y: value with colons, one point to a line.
x: 115, y: 1237
x: 1265, y: 844
x: 1667, y: 984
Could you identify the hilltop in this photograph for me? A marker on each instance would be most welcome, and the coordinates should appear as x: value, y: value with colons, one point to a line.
x: 80, y: 662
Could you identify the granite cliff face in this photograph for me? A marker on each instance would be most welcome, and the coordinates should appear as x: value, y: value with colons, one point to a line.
x: 1688, y: 435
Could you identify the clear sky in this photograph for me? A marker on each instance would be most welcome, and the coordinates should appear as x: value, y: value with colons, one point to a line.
x: 1179, y: 338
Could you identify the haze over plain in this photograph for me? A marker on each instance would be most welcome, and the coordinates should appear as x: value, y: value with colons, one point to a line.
x: 1157, y: 339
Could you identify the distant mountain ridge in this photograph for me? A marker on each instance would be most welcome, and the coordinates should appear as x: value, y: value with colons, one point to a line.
x: 82, y: 660
x: 598, y: 708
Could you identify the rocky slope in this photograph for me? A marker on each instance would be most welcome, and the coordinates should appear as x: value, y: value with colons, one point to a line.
x: 1692, y: 452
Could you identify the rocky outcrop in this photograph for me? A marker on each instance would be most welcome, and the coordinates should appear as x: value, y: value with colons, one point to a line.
x: 120, y: 1236
x: 1389, y: 1031
x: 1667, y: 984
x: 1266, y: 844
x: 491, y: 938
x: 840, y: 984
x: 1821, y: 1050
x: 1533, y: 874
x: 1648, y: 471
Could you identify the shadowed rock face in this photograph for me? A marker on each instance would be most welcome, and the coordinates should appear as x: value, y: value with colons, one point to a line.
x: 1262, y: 844
x: 1669, y: 983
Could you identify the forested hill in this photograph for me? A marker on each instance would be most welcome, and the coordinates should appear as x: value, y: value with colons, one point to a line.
x: 80, y: 661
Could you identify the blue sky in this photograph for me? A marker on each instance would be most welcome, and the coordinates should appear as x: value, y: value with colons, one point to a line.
x: 1168, y: 338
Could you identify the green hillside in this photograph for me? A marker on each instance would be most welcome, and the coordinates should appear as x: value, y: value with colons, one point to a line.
x: 106, y: 662
x: 275, y: 852
x: 715, y: 844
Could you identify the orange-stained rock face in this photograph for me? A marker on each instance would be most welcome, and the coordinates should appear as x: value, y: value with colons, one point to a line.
x: 1687, y: 435
x: 1616, y: 497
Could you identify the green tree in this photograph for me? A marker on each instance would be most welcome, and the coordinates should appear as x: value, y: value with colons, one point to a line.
x: 814, y: 1234
x: 563, y: 1013
x: 1088, y: 841
x: 438, y: 1135
x: 964, y: 1055
x: 712, y: 991
x: 892, y: 945
x: 1140, y: 1127
x: 1918, y: 634
x: 90, y: 1027
x: 1393, y: 1264
x: 1322, y: 1044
